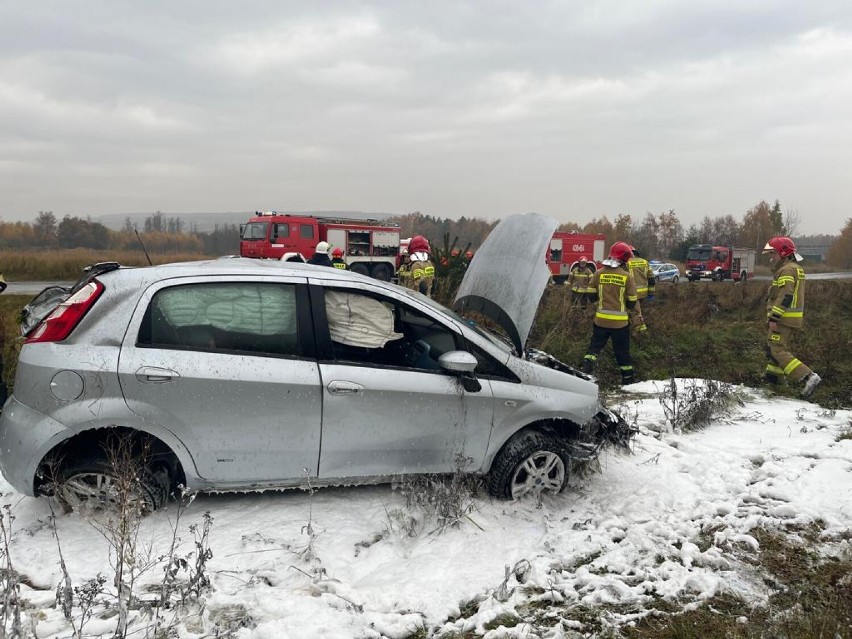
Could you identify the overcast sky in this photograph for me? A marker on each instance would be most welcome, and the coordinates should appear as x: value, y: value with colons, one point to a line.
x: 571, y: 109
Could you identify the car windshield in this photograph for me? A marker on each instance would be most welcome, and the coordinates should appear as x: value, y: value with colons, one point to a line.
x: 496, y: 338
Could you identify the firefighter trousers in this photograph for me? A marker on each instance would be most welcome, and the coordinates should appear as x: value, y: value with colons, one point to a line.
x: 620, y: 346
x: 781, y: 362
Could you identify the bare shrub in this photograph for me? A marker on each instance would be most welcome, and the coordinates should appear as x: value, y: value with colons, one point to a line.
x: 697, y: 404
x: 10, y: 584
x: 444, y: 499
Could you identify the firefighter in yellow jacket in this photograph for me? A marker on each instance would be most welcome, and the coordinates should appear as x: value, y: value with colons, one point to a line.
x: 785, y: 306
x: 579, y: 280
x: 614, y: 294
x: 422, y: 271
x: 645, y: 287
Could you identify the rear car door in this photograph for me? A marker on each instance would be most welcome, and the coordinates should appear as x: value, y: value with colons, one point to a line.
x: 227, y: 365
x: 391, y: 409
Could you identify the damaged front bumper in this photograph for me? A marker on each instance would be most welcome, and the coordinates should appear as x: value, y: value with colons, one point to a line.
x: 606, y: 428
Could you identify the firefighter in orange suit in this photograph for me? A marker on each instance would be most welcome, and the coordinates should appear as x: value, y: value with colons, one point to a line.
x: 645, y: 287
x: 785, y: 306
x: 422, y: 269
x: 614, y: 294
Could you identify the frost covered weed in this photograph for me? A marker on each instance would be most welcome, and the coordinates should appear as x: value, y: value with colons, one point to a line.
x: 446, y: 499
x: 10, y: 616
x: 697, y: 404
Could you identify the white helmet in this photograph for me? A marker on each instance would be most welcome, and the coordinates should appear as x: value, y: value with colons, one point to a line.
x: 323, y: 247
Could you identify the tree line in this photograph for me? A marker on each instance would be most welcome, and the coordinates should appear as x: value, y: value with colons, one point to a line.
x: 159, y: 234
x: 660, y: 236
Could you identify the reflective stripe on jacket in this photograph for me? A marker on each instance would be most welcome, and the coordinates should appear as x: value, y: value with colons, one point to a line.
x: 580, y: 279
x: 785, y: 303
x: 614, y: 291
x: 643, y: 275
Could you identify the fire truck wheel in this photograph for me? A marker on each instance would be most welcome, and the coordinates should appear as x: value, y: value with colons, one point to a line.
x: 382, y: 272
x: 359, y: 268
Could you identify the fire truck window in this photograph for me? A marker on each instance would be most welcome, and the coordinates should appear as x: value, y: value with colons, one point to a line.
x: 280, y: 230
x: 358, y: 242
x: 307, y: 231
x: 555, y: 255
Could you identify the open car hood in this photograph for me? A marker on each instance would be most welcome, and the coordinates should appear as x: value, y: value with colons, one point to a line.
x: 508, y: 274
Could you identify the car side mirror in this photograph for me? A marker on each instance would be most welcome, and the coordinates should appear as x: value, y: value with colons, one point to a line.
x: 458, y: 362
x: 462, y: 364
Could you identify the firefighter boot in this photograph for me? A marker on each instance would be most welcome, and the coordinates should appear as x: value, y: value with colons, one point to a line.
x: 628, y: 375
x: 589, y: 364
x: 811, y: 382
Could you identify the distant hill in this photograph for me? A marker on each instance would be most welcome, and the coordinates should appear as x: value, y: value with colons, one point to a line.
x: 206, y: 222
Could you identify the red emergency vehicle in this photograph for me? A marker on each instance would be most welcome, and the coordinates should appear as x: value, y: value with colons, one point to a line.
x: 567, y: 247
x: 719, y: 263
x: 369, y: 246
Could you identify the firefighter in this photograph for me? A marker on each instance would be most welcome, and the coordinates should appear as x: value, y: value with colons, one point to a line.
x: 785, y: 307
x: 614, y: 294
x: 403, y: 273
x: 645, y: 287
x: 337, y: 258
x: 579, y: 279
x: 422, y: 269
x: 320, y: 256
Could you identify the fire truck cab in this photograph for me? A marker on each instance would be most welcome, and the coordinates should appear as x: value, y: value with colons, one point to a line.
x: 719, y: 263
x: 370, y: 247
x: 568, y: 247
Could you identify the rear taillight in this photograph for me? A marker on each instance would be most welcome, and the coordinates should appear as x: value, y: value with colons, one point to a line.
x: 65, y: 317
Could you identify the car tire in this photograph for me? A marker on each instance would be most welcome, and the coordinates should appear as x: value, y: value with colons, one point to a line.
x: 90, y: 485
x: 743, y: 277
x: 360, y: 268
x: 382, y: 272
x: 530, y: 463
x: 675, y: 279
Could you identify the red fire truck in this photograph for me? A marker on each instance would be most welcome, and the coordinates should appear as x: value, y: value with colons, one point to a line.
x: 568, y: 247
x: 719, y: 263
x: 369, y: 246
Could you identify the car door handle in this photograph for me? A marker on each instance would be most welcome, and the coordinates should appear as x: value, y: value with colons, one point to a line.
x: 155, y: 375
x: 344, y: 388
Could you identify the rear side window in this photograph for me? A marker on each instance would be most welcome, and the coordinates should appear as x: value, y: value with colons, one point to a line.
x: 232, y: 316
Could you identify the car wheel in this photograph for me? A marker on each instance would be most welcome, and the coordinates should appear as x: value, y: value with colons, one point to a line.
x: 743, y: 276
x: 95, y: 485
x: 529, y: 463
x: 382, y: 272
x: 360, y: 268
x: 675, y: 279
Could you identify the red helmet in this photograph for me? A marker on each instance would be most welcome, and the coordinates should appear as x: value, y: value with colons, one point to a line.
x: 337, y: 252
x: 620, y: 251
x: 419, y: 243
x: 583, y: 258
x: 782, y: 245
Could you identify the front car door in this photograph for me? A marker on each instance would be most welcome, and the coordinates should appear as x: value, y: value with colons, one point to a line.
x: 227, y: 365
x: 390, y: 409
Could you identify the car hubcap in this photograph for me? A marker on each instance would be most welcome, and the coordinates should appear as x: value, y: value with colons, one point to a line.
x: 542, y: 471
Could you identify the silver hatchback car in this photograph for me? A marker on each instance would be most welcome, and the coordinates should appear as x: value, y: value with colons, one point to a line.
x: 248, y: 374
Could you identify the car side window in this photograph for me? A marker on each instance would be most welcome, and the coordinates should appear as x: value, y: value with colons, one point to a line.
x: 249, y: 317
x: 380, y: 331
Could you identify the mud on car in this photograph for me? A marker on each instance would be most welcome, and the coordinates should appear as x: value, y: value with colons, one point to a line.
x: 245, y: 374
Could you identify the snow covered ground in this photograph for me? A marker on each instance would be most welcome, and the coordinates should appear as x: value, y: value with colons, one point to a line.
x: 338, y: 563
